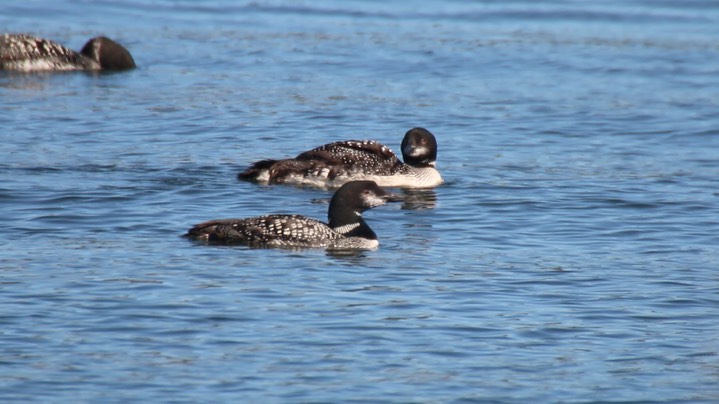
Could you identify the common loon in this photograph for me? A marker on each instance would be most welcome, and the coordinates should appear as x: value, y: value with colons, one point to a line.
x: 27, y: 53
x: 335, y: 163
x: 346, y: 228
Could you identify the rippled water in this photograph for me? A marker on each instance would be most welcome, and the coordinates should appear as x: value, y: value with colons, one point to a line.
x: 571, y: 256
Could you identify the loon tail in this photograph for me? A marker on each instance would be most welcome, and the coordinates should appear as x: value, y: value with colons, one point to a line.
x: 277, y: 171
x: 256, y: 170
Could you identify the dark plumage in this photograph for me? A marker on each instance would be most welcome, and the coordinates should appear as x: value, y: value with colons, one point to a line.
x: 346, y: 228
x: 336, y: 163
x: 27, y: 53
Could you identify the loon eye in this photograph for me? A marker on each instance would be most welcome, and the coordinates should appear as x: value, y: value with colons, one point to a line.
x: 423, y: 141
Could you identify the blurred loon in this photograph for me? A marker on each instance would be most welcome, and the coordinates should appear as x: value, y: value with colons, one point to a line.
x: 27, y: 53
x: 335, y: 163
x: 346, y: 229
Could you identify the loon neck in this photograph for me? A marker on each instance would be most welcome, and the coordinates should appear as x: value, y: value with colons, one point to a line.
x: 350, y: 224
x: 417, y: 163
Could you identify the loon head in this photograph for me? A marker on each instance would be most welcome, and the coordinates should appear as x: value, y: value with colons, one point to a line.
x: 108, y: 53
x: 348, y: 203
x: 419, y: 148
x: 352, y: 199
x: 358, y: 196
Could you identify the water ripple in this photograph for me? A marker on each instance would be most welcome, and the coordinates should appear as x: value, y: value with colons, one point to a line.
x: 574, y: 239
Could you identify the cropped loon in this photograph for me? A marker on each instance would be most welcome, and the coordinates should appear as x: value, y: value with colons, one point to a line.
x: 346, y: 228
x: 26, y: 53
x: 335, y: 163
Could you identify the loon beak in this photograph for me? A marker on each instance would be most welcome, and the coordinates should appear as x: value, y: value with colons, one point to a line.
x: 414, y: 150
x: 410, y: 150
x: 393, y: 197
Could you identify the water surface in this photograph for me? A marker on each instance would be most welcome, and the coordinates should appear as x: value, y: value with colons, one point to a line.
x: 571, y: 255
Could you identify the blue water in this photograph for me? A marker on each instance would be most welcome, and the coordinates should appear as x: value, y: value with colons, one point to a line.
x: 571, y: 256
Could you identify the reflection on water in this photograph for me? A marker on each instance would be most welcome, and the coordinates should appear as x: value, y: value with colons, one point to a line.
x: 25, y: 81
x: 411, y: 199
x: 354, y: 257
x: 419, y: 199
